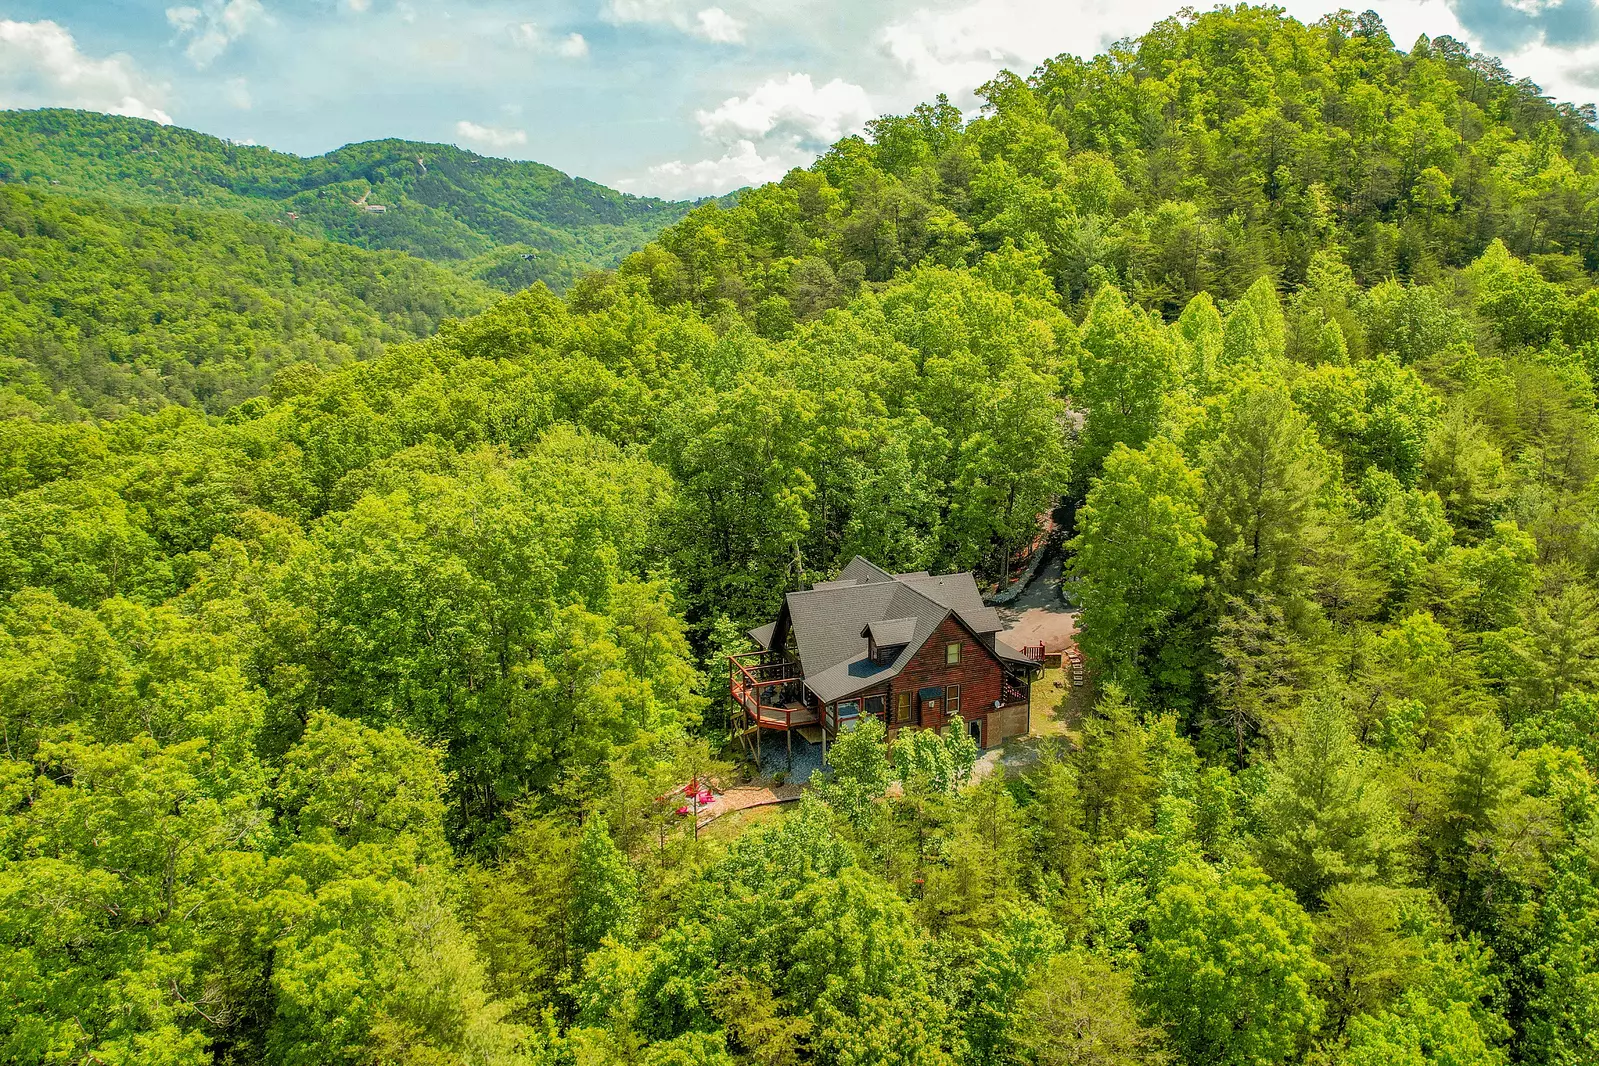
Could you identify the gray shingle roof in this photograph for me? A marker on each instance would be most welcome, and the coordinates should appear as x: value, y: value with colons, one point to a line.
x: 862, y: 570
x: 890, y: 632
x: 1011, y: 654
x: 830, y: 619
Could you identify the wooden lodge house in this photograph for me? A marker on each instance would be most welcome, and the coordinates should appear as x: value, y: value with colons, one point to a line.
x: 916, y: 651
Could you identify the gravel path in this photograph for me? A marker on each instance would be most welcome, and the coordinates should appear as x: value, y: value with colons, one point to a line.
x: 746, y: 796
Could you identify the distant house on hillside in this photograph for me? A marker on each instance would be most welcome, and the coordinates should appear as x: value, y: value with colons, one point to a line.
x: 374, y: 209
x: 917, y: 651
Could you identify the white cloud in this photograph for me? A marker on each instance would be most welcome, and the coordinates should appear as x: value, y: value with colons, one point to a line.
x: 210, y: 28
x: 528, y: 35
x: 717, y: 25
x: 741, y: 165
x: 1565, y: 74
x: 40, y: 66
x: 236, y: 91
x: 497, y: 138
x: 710, y: 23
x: 780, y: 124
x: 955, y: 49
x: 792, y: 107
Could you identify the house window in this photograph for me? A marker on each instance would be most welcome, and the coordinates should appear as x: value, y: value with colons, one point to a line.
x: 902, y: 709
x: 849, y: 709
x: 952, y: 699
x: 952, y: 654
x: 874, y: 706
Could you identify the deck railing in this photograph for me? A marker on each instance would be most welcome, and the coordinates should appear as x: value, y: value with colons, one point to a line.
x: 749, y: 682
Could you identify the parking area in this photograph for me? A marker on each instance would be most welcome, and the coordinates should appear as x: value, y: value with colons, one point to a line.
x: 1039, y: 614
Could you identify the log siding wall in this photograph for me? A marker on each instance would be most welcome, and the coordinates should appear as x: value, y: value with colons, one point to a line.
x: 979, y: 675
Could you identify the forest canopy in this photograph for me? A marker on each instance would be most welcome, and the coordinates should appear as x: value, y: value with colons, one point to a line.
x: 106, y: 308
x: 346, y: 724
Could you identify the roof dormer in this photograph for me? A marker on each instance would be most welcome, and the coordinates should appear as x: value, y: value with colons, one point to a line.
x: 887, y: 638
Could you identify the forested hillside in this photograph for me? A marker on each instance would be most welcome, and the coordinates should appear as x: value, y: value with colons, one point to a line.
x: 107, y: 308
x: 349, y: 727
x: 437, y: 201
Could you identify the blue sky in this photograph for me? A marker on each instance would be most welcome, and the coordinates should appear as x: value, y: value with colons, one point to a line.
x: 665, y: 97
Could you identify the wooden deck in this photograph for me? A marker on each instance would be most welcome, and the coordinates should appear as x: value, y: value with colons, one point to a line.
x: 772, y: 715
x: 768, y: 693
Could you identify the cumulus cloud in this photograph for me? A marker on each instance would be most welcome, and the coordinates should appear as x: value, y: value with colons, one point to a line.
x: 710, y: 23
x: 956, y: 48
x: 497, y: 138
x: 1510, y: 25
x: 1563, y: 73
x: 528, y: 35
x: 236, y: 91
x: 742, y: 164
x: 792, y: 107
x: 210, y: 28
x: 41, y: 66
x: 780, y: 124
x: 717, y: 25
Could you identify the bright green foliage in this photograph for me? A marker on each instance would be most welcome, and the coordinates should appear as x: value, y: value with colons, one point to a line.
x: 1129, y: 369
x: 934, y: 762
x: 1254, y: 338
x: 1079, y: 1012
x: 109, y: 308
x: 1565, y: 1016
x: 1263, y: 476
x: 1139, y: 550
x: 604, y: 895
x: 1201, y: 334
x: 980, y: 872
x: 1414, y: 324
x: 440, y: 202
x: 1322, y: 817
x: 1115, y: 777
x: 349, y: 723
x: 994, y: 1013
x: 1374, y: 414
x: 1523, y: 309
x: 1230, y: 969
x: 859, y: 772
x: 1419, y: 1034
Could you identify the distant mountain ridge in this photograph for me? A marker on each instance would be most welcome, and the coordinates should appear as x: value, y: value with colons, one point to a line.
x: 505, y: 222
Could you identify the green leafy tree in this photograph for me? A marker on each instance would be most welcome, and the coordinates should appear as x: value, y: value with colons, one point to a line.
x: 1078, y: 1011
x: 1262, y: 478
x: 1129, y: 370
x: 1231, y: 969
x: 1323, y: 817
x: 1138, y: 554
x: 604, y: 891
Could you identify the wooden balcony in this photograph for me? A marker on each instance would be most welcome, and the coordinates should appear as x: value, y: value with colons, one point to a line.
x: 769, y: 691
